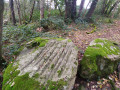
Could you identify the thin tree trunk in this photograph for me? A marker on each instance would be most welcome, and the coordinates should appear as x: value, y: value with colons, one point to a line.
x: 19, y: 13
x: 42, y: 9
x: 11, y: 4
x: 24, y: 8
x: 81, y: 7
x: 103, y: 7
x: 49, y: 11
x: 58, y: 7
x: 108, y: 5
x: 66, y: 9
x: 86, y: 8
x: 55, y: 4
x: 38, y: 5
x: 92, y: 8
x: 31, y: 12
x: 115, y: 4
x: 1, y: 23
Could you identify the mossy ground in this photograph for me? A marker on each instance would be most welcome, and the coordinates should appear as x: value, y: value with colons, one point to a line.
x: 95, y: 62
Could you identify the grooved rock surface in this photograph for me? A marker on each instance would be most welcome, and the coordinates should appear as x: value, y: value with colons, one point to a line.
x: 100, y: 59
x: 55, y: 62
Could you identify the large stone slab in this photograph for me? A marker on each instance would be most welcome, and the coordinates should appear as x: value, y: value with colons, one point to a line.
x: 100, y: 59
x: 53, y: 66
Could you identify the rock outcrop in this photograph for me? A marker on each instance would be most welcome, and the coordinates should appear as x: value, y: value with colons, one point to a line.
x: 100, y: 59
x: 43, y: 65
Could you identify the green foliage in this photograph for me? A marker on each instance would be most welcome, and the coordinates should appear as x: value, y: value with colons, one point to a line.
x: 81, y: 23
x: 36, y: 15
x: 52, y: 23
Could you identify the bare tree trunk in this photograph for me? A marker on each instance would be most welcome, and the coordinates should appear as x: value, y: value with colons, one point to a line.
x: 11, y: 4
x: 92, y: 8
x: 19, y: 13
x: 1, y: 23
x: 81, y: 7
x: 42, y: 2
x: 31, y: 12
x: 73, y: 10
x: 68, y: 6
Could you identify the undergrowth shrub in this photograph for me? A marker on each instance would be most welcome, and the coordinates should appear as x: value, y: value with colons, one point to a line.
x: 81, y: 23
x: 15, y: 36
x: 68, y: 21
x: 52, y: 23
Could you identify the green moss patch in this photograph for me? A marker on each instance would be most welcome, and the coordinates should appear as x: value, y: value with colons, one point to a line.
x: 9, y: 74
x: 37, y: 42
x: 59, y: 39
x: 60, y: 71
x: 54, y: 85
x: 69, y: 40
x: 52, y: 66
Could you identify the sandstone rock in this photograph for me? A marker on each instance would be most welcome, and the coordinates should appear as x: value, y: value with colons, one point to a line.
x: 52, y: 66
x: 100, y: 59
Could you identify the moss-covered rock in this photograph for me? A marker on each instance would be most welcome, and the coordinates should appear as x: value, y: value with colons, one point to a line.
x: 100, y: 59
x: 43, y: 64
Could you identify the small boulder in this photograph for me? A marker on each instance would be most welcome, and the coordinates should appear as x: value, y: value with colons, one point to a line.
x: 100, y: 59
